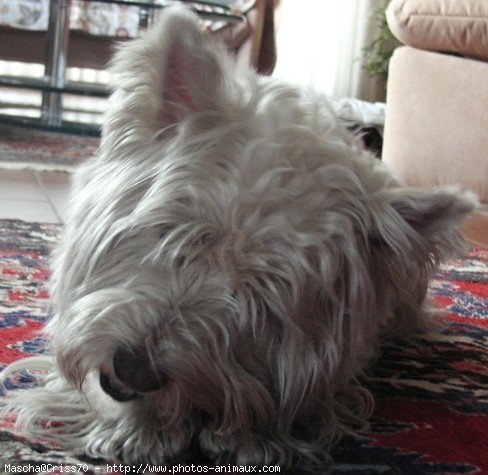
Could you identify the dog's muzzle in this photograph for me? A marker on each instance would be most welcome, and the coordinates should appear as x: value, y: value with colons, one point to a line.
x: 134, y: 375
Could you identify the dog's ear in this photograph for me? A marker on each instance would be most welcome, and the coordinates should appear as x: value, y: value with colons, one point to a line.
x: 174, y: 69
x: 190, y: 68
x: 430, y: 213
x: 415, y: 221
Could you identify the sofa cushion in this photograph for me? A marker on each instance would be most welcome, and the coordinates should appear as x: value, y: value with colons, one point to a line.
x: 435, y: 124
x: 456, y: 26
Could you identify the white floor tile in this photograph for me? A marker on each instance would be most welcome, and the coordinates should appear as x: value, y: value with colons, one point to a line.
x: 60, y: 178
x: 56, y: 187
x: 20, y: 185
x: 34, y: 211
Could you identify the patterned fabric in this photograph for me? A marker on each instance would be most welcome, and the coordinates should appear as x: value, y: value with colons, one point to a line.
x: 22, y: 147
x: 25, y: 14
x: 95, y: 18
x: 91, y: 17
x: 431, y: 393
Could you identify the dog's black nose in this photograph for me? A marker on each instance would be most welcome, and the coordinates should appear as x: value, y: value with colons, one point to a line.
x: 133, y: 367
x: 116, y: 391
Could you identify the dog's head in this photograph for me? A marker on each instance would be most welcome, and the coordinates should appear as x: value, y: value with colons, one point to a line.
x: 231, y: 254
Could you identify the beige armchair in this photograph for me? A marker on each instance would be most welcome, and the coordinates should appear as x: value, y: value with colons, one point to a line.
x: 436, y: 128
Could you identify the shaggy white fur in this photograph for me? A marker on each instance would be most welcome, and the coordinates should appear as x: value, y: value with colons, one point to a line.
x: 230, y: 262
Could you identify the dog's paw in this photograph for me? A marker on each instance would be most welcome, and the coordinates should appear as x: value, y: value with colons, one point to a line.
x: 240, y: 449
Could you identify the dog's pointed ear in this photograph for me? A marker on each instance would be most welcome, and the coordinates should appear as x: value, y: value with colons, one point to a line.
x: 414, y: 220
x: 430, y: 213
x: 173, y: 70
x: 190, y: 70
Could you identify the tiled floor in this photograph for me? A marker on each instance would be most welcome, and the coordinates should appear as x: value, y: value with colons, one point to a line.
x: 34, y: 196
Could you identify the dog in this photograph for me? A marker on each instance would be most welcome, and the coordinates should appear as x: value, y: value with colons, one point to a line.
x: 231, y: 262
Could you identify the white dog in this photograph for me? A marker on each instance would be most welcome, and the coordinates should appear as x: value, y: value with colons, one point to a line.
x: 229, y: 265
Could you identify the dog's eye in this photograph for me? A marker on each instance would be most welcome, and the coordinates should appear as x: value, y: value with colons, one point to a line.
x: 180, y: 261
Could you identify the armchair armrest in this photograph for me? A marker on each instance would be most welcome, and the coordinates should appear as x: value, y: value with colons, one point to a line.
x: 454, y: 26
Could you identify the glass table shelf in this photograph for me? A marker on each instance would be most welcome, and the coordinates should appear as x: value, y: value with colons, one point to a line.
x: 51, y: 114
x: 42, y: 84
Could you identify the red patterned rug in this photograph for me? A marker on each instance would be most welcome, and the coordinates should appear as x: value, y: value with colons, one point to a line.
x: 431, y: 415
x: 28, y: 148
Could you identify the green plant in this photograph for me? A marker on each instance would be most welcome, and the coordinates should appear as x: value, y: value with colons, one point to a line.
x: 377, y: 54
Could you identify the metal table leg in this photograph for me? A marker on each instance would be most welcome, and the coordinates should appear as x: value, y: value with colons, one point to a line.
x: 56, y: 60
x: 146, y: 15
